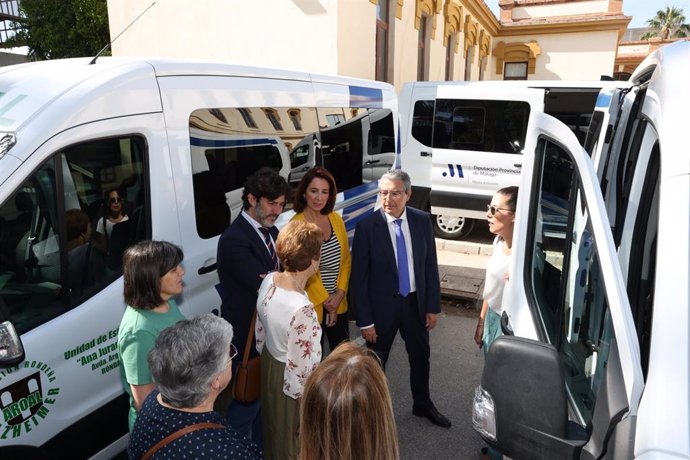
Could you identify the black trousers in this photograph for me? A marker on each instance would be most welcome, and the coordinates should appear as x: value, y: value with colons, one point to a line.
x: 413, y: 331
x: 337, y: 333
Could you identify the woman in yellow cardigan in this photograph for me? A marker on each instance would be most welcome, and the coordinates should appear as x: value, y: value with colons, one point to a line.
x: 327, y: 289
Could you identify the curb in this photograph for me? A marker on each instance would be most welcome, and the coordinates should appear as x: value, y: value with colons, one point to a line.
x: 464, y: 247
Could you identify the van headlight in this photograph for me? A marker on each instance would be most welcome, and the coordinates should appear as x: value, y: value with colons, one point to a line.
x: 483, y: 415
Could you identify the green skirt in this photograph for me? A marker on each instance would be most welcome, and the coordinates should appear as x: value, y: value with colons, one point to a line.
x: 279, y: 412
x: 492, y: 329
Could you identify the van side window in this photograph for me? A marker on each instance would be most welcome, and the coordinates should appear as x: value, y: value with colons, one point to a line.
x: 642, y: 265
x: 51, y: 258
x: 483, y: 126
x: 225, y: 150
x: 567, y: 290
x: 422, y: 121
x: 381, y: 139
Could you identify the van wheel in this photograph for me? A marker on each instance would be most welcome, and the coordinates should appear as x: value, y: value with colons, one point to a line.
x: 451, y: 227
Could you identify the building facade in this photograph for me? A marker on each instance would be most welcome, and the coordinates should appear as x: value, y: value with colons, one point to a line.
x: 390, y: 40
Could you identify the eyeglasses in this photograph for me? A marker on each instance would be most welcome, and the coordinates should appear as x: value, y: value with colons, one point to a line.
x: 392, y: 193
x: 116, y: 199
x: 493, y: 209
x: 233, y: 351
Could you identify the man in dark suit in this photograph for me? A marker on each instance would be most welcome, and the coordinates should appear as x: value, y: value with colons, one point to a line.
x: 246, y: 253
x: 395, y: 284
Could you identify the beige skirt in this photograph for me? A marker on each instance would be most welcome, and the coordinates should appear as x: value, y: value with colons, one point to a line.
x: 279, y: 412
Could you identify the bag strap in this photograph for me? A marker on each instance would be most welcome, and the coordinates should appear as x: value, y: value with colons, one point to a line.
x: 178, y: 434
x: 250, y: 337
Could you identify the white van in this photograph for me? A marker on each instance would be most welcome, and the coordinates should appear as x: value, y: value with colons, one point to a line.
x: 599, y: 364
x: 460, y: 147
x: 368, y: 132
x: 166, y: 134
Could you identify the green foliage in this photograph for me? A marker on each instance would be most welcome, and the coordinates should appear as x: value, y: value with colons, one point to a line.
x: 54, y: 29
x: 668, y: 23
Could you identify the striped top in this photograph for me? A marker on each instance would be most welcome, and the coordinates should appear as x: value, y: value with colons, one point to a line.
x: 330, y: 263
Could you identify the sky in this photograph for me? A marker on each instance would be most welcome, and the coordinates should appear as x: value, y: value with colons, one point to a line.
x: 640, y: 10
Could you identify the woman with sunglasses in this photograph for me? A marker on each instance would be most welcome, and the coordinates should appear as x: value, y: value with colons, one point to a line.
x: 115, y: 213
x: 501, y: 216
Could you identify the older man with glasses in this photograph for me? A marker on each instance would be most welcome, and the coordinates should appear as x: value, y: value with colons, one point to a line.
x: 395, y: 284
x: 191, y: 363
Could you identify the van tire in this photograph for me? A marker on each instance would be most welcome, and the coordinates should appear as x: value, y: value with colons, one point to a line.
x: 452, y: 228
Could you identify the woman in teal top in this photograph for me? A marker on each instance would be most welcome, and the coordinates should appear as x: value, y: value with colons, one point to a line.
x: 153, y: 276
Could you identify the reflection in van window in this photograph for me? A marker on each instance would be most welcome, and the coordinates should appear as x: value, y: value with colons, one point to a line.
x: 381, y: 139
x: 354, y: 144
x: 484, y: 126
x: 51, y: 259
x: 422, y: 119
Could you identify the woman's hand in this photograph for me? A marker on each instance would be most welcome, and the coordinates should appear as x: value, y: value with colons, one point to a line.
x: 333, y: 301
x: 479, y: 333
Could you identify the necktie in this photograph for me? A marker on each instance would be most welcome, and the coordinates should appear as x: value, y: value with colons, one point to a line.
x: 403, y: 269
x: 269, y: 245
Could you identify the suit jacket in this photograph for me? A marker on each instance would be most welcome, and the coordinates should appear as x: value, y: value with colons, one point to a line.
x: 374, y: 279
x: 242, y: 257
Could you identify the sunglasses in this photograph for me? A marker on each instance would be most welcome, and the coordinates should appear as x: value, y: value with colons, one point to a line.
x: 115, y: 200
x: 493, y: 209
x: 233, y: 351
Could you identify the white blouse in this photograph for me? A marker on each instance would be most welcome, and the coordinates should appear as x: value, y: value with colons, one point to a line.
x: 496, y: 277
x: 287, y: 325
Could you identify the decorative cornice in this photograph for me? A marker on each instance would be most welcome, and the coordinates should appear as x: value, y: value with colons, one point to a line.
x: 452, y: 13
x: 565, y: 26
x: 517, y: 52
x: 430, y: 8
x: 471, y: 33
x: 482, y: 14
x: 484, y: 44
x: 398, y: 7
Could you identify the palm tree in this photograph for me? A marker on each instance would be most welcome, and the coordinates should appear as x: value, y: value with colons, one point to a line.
x: 668, y: 23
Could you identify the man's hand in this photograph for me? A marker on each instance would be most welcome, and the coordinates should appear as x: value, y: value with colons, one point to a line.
x: 369, y: 334
x: 431, y: 319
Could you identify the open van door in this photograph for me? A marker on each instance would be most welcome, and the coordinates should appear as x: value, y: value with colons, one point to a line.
x: 478, y: 136
x: 570, y: 385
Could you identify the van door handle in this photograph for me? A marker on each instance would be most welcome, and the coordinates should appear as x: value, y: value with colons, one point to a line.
x: 207, y: 269
x: 517, y: 165
x: 425, y: 154
x: 371, y: 162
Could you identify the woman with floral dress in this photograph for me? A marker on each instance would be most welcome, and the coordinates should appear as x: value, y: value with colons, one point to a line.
x: 288, y: 336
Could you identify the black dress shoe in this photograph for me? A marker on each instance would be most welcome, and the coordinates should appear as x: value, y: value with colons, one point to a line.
x: 433, y: 415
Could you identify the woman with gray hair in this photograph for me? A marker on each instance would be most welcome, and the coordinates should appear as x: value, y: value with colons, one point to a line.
x: 191, y: 363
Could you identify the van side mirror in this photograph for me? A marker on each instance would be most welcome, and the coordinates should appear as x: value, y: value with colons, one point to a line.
x: 11, y: 349
x: 523, y: 387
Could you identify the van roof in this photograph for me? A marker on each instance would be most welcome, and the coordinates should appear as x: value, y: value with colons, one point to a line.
x: 569, y: 84
x: 27, y: 89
